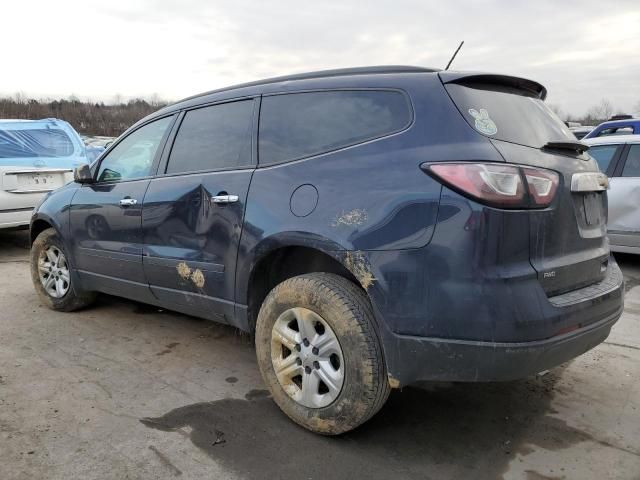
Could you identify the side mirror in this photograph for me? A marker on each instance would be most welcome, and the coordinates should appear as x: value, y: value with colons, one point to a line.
x: 82, y: 174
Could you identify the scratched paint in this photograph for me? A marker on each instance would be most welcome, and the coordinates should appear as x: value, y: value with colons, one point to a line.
x: 357, y: 216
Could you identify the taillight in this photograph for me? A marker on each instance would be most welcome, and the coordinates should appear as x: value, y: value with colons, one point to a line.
x: 542, y: 185
x: 498, y: 185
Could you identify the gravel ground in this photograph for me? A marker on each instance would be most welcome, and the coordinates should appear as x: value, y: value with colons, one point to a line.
x: 124, y: 390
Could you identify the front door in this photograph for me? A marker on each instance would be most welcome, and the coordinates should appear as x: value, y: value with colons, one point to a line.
x: 106, y: 216
x: 193, y: 211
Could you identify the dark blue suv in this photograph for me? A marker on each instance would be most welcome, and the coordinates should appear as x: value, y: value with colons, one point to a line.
x: 371, y: 227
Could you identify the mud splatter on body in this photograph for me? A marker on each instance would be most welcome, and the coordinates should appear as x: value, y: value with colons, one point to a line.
x: 196, y: 276
x: 358, y: 264
x: 183, y: 270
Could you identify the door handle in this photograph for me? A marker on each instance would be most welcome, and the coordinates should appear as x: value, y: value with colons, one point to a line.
x: 224, y: 198
x: 127, y: 202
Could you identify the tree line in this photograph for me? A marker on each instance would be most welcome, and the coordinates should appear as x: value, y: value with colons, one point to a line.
x: 596, y: 114
x: 98, y: 118
x: 89, y: 118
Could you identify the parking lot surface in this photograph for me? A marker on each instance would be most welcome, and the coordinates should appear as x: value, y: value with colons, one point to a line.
x: 124, y: 390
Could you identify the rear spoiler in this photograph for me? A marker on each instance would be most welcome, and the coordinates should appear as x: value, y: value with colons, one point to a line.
x: 492, y: 79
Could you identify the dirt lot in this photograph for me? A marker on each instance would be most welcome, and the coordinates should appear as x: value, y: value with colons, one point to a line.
x: 123, y: 390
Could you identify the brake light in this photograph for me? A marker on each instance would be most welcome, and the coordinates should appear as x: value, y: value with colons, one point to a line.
x: 542, y: 185
x: 498, y: 185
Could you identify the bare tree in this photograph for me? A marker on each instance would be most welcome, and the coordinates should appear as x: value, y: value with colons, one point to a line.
x: 600, y: 112
x: 155, y: 100
x: 117, y: 99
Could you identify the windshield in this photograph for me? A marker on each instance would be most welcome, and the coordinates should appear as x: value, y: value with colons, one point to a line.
x: 28, y: 143
x: 508, y: 114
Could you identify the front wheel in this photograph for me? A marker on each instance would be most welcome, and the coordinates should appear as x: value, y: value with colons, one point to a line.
x: 319, y: 353
x: 51, y: 275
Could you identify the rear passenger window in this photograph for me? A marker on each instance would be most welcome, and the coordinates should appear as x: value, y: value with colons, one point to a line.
x: 632, y: 165
x: 299, y: 125
x: 603, y: 155
x: 212, y: 138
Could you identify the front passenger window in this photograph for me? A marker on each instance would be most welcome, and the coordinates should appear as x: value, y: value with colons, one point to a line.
x: 133, y: 156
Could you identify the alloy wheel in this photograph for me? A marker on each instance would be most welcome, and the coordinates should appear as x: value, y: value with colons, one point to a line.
x: 54, y: 272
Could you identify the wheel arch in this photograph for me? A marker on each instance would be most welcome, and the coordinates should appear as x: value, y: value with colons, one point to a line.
x: 39, y: 225
x: 42, y: 222
x: 286, y: 261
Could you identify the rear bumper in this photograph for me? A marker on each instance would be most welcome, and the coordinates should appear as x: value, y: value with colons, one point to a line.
x: 18, y: 217
x: 575, y: 322
x: 16, y: 208
x: 425, y: 359
x: 470, y: 306
x: 624, y: 242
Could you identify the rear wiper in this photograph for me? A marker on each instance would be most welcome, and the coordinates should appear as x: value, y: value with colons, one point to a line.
x: 567, y: 145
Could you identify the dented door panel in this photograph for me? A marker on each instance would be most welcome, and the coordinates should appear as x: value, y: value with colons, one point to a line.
x: 191, y: 242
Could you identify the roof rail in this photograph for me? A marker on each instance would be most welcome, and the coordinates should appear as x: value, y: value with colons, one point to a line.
x: 338, y: 72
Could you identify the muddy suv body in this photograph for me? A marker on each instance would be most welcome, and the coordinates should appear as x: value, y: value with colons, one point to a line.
x: 429, y: 225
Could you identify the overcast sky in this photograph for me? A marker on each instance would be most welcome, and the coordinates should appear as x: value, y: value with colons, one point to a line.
x: 581, y: 50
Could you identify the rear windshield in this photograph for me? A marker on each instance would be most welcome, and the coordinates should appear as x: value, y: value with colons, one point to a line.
x: 508, y: 114
x: 45, y: 142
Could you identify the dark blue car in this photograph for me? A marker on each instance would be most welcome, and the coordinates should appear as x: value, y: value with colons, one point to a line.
x: 371, y: 227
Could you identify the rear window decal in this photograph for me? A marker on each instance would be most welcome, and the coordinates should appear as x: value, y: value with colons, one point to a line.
x: 483, y: 122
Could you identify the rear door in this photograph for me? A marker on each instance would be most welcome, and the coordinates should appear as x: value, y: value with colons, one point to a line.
x: 624, y: 197
x: 106, y: 216
x: 568, y: 245
x: 193, y: 211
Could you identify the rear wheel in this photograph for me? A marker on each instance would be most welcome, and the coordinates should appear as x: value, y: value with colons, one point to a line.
x: 319, y: 353
x: 51, y: 275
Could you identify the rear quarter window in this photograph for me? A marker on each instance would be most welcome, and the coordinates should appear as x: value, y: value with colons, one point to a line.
x: 299, y: 125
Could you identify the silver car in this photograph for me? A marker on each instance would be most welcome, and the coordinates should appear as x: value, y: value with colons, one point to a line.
x: 619, y: 157
x: 36, y: 157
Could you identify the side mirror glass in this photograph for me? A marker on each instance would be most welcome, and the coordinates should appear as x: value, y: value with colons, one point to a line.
x: 109, y: 175
x: 82, y: 174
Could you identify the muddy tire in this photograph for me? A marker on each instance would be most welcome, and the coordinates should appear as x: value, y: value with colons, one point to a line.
x: 319, y: 353
x: 51, y: 275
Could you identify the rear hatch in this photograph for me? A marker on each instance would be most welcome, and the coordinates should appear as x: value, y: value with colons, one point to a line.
x: 568, y: 246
